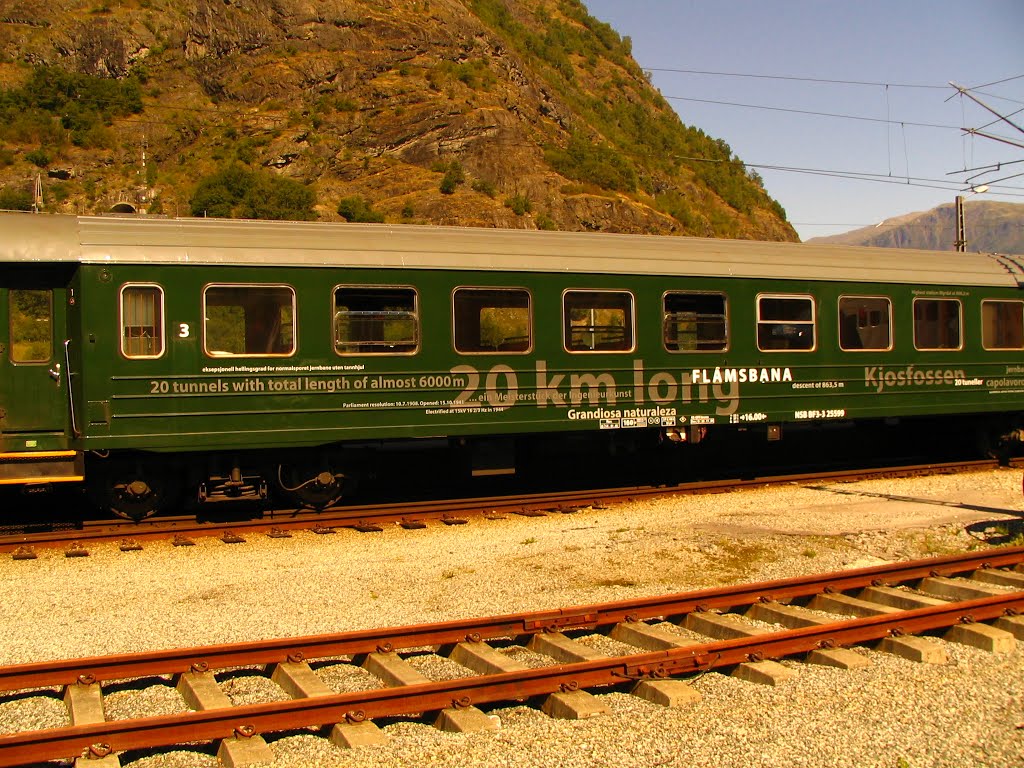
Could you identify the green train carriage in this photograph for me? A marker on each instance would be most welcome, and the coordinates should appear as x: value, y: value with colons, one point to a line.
x: 236, y: 359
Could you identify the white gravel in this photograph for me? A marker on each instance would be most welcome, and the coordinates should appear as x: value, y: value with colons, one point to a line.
x: 968, y: 712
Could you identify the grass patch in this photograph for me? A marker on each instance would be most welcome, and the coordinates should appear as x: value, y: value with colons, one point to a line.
x: 616, y: 583
x: 736, y: 557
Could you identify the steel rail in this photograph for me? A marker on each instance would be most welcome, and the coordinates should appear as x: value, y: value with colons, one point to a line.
x: 117, y: 736
x: 391, y: 513
x: 66, y: 672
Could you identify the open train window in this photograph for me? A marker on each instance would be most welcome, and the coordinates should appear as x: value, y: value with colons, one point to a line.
x: 937, y: 324
x: 142, y: 321
x: 597, y: 321
x: 785, y: 323
x: 1002, y: 324
x: 695, y: 322
x: 249, y: 320
x: 30, y: 322
x: 489, y: 320
x: 375, y: 320
x: 865, y: 323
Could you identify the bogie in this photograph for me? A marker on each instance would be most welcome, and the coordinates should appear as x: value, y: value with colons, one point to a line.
x: 133, y: 488
x: 315, y: 485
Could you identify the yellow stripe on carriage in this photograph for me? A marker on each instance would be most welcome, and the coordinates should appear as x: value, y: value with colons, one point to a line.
x: 38, y: 455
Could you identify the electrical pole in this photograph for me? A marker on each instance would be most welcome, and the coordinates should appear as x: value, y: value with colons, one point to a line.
x: 961, y: 234
x: 37, y: 194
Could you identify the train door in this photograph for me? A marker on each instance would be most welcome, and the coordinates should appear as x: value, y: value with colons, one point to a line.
x: 34, y: 399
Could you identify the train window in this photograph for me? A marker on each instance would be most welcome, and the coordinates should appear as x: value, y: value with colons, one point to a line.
x: 937, y: 324
x: 785, y: 323
x: 375, y: 320
x: 30, y: 320
x: 249, y: 320
x: 142, y: 321
x: 1002, y: 324
x: 597, y: 321
x: 865, y: 323
x: 695, y: 322
x: 492, y: 320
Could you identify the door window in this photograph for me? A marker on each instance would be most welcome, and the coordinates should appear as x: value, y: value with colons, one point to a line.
x: 30, y: 319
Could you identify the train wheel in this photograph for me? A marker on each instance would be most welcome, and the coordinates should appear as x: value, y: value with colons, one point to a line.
x: 134, y: 498
x: 306, y: 489
x: 130, y: 490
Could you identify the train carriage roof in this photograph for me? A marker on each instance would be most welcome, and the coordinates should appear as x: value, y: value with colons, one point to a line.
x: 143, y: 240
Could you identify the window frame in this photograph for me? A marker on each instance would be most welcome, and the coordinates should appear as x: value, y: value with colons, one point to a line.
x: 813, y: 322
x: 631, y: 327
x: 417, y: 344
x: 162, y: 321
x: 230, y: 355
x: 839, y: 318
x: 494, y: 289
x: 725, y: 318
x: 984, y: 346
x: 960, y: 323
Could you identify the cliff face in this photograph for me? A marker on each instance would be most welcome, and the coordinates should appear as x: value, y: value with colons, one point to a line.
x: 469, y: 112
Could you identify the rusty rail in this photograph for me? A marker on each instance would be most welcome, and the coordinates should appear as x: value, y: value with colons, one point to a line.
x: 18, y: 749
x: 37, y: 675
x: 208, y: 725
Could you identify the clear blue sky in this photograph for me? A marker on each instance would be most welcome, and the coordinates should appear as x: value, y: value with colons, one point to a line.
x: 894, y: 42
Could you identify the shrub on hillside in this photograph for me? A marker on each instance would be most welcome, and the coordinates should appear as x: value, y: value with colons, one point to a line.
x: 56, y: 106
x: 520, y: 204
x: 239, y: 193
x: 453, y: 176
x: 593, y: 163
x: 15, y: 200
x: 359, y: 209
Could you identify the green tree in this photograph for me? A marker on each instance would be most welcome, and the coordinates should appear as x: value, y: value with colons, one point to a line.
x: 359, y: 209
x: 15, y: 200
x: 38, y: 158
x: 600, y: 164
x: 453, y: 176
x: 55, y: 106
x: 235, y: 192
x: 520, y: 204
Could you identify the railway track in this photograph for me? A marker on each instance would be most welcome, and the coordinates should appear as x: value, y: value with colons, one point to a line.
x: 368, y: 518
x: 542, y: 657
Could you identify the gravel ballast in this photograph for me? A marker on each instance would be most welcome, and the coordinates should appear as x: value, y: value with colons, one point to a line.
x: 967, y: 712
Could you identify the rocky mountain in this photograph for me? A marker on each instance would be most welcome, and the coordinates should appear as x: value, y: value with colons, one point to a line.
x: 990, y: 227
x: 510, y: 113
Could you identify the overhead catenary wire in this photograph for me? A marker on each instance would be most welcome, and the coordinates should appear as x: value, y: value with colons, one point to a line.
x: 832, y: 81
x: 907, y: 179
x: 918, y: 181
x: 798, y: 78
x: 816, y: 113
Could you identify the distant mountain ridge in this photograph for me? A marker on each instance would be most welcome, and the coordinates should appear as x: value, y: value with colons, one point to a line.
x: 990, y: 228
